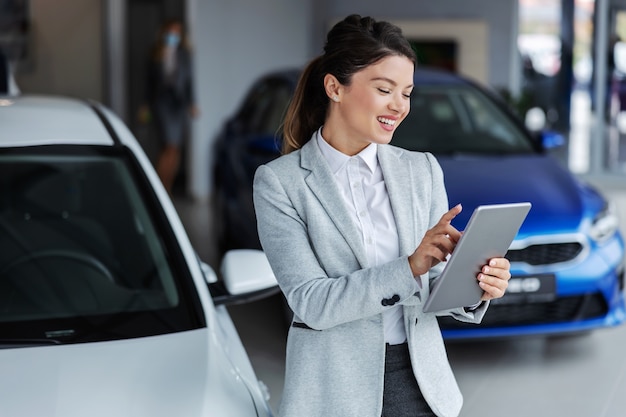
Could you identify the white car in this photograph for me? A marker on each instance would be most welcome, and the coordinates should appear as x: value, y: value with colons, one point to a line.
x: 105, y: 308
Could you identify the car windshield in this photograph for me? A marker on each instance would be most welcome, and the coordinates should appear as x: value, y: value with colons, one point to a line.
x: 452, y: 119
x: 83, y: 255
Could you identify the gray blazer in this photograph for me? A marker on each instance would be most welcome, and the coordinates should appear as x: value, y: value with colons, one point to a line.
x: 336, y: 348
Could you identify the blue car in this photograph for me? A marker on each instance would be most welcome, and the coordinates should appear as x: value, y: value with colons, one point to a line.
x: 567, y: 259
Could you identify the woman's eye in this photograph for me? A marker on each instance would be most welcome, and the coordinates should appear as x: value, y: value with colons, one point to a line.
x: 384, y: 90
x: 407, y: 95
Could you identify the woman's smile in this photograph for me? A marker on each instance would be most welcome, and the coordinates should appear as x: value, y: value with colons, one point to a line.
x: 388, y: 123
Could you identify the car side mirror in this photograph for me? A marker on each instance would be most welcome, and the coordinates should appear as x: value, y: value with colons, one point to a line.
x: 551, y: 140
x: 246, y: 276
x: 535, y: 122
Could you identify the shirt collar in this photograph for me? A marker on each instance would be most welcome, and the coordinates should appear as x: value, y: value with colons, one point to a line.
x: 337, y: 159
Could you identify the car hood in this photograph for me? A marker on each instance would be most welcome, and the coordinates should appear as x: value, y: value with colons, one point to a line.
x: 183, y: 374
x: 559, y: 200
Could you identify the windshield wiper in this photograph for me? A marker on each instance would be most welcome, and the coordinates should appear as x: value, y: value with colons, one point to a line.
x: 16, y: 343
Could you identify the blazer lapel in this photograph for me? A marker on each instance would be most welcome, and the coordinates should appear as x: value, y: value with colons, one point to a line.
x: 323, y: 185
x: 398, y: 175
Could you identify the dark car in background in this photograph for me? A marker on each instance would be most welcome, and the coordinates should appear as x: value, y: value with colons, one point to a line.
x: 249, y: 139
x: 567, y: 259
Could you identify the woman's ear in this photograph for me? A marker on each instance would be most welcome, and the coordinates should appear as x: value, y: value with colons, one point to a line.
x: 332, y: 87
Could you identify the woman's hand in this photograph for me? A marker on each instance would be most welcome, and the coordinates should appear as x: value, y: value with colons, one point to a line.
x: 194, y: 111
x: 494, y: 278
x: 437, y: 244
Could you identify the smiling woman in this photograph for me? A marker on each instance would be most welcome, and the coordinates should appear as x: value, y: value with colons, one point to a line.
x: 366, y: 48
x: 354, y: 230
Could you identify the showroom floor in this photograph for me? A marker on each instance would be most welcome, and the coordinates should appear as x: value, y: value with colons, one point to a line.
x: 583, y: 376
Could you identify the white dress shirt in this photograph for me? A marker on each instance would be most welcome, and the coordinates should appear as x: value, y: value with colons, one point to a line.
x: 169, y: 62
x: 362, y: 185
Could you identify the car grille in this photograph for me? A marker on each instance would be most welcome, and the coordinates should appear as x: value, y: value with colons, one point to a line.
x: 564, y: 309
x: 545, y: 254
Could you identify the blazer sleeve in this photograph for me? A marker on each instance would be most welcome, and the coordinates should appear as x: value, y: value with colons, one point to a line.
x: 188, y: 91
x: 320, y: 301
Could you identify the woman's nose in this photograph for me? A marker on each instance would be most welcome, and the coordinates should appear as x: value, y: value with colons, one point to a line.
x: 399, y: 103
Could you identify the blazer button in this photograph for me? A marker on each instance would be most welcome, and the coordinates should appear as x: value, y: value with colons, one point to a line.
x: 390, y: 301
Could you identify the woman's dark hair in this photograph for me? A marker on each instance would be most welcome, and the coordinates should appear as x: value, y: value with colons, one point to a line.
x: 351, y: 45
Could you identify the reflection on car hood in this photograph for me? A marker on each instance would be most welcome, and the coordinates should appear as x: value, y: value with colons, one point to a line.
x: 554, y: 193
x: 180, y: 374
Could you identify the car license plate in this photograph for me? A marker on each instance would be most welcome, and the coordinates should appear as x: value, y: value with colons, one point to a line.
x: 529, y: 289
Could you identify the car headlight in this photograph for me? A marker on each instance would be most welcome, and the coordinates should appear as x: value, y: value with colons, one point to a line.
x: 605, y: 224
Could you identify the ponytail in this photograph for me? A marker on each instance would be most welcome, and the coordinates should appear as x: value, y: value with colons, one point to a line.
x: 307, y: 110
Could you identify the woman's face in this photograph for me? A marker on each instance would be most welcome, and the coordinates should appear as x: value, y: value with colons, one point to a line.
x: 371, y: 107
x: 172, y: 35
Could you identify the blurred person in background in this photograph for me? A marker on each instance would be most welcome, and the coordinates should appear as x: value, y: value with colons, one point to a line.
x: 169, y: 99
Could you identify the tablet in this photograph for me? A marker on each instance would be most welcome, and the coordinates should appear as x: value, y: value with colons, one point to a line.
x: 489, y: 233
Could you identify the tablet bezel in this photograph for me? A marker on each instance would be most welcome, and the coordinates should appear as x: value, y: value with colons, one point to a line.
x: 488, y: 234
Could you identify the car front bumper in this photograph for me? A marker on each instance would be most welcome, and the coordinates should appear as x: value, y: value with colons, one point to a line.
x: 588, y: 294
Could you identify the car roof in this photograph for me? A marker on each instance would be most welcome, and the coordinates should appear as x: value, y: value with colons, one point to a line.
x: 291, y: 74
x: 31, y: 120
x: 426, y: 75
x: 423, y: 75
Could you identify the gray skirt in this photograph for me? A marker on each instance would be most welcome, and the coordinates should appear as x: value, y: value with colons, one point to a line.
x: 171, y: 121
x: 402, y: 396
